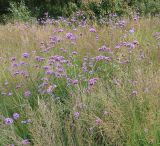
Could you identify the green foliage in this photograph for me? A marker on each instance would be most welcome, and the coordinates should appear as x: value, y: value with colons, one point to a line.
x: 19, y: 11
x: 65, y: 8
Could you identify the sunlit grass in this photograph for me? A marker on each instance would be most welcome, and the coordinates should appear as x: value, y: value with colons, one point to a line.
x: 120, y: 109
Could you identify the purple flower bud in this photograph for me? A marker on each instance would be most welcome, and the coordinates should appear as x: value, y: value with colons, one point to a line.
x: 8, y: 121
x: 92, y: 30
x: 50, y: 88
x: 25, y: 142
x: 15, y: 116
x: 99, y: 58
x: 27, y: 93
x: 76, y: 115
x: 74, y: 81
x: 131, y: 30
x: 98, y: 121
x: 9, y: 94
x: 91, y: 82
x: 25, y: 55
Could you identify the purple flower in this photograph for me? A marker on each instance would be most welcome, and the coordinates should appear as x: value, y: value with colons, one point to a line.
x: 74, y: 52
x: 70, y: 36
x: 49, y: 72
x: 134, y: 92
x: 25, y: 142
x: 91, y: 82
x: 50, y: 88
x: 15, y: 116
x: 8, y: 121
x: 27, y: 93
x: 117, y: 47
x: 76, y: 115
x: 98, y: 121
x: 131, y: 30
x: 46, y: 67
x: 92, y: 30
x: 98, y: 58
x: 13, y: 58
x: 104, y: 49
x: 74, y: 82
x: 107, y: 58
x: 9, y: 94
x: 25, y: 55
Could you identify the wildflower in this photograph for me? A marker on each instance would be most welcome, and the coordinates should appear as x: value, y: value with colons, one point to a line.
x: 74, y: 52
x: 22, y: 63
x: 70, y: 36
x: 91, y: 82
x: 63, y: 50
x: 9, y: 94
x: 92, y: 30
x: 74, y: 82
x: 14, y: 64
x: 50, y: 88
x: 97, y: 38
x: 99, y: 58
x: 25, y: 55
x: 135, y: 42
x: 104, y: 49
x: 27, y: 93
x: 117, y: 47
x: 38, y: 58
x: 134, y: 92
x: 49, y: 72
x: 25, y: 142
x: 76, y: 115
x: 131, y: 30
x: 46, y: 67
x: 13, y: 58
x: 8, y: 121
x: 15, y: 116
x: 98, y: 121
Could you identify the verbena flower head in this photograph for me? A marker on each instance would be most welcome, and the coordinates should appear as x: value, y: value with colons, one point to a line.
x: 25, y: 142
x: 8, y: 121
x: 15, y: 116
x: 51, y: 88
x: 74, y: 82
x: 104, y: 49
x: 10, y: 94
x: 27, y: 93
x: 131, y: 30
x: 99, y: 58
x: 13, y: 58
x: 98, y: 121
x: 92, y: 81
x: 76, y: 115
x: 92, y: 30
x: 25, y: 55
x: 71, y: 36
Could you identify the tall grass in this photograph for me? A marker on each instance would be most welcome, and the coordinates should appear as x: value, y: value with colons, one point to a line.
x: 115, y: 102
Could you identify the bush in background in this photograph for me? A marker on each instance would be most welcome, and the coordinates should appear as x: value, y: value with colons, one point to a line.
x: 99, y: 8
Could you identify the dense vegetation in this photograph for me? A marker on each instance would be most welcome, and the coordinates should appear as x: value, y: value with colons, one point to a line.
x: 94, y: 8
x: 63, y: 84
x: 80, y: 73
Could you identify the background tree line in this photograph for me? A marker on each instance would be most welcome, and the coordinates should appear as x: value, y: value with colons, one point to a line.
x: 36, y: 8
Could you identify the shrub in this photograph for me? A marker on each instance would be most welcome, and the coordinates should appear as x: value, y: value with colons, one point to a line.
x: 19, y: 11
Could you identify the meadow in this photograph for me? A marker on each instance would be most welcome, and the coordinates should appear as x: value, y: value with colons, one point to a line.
x: 64, y: 84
